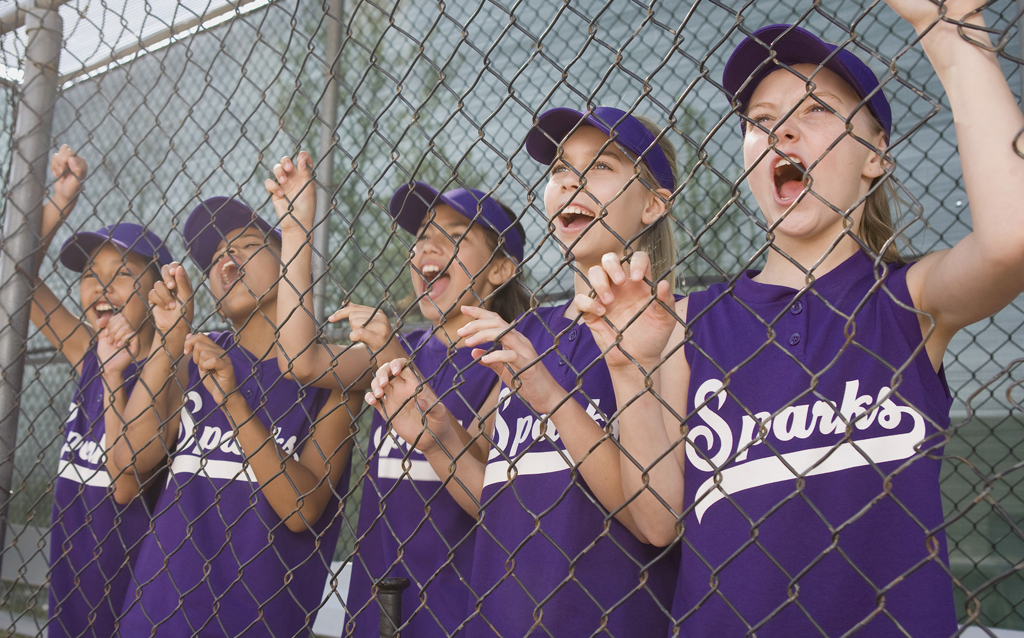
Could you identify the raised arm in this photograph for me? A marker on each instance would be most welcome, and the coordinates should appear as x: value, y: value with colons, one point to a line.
x: 153, y: 413
x: 590, y: 446
x: 302, y: 354
x: 70, y: 336
x: 480, y: 431
x: 641, y: 334
x: 116, y: 348
x: 404, y: 400
x: 985, y: 270
x: 298, y: 490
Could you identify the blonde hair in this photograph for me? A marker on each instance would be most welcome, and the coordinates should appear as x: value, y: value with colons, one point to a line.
x: 658, y: 239
x: 876, y: 224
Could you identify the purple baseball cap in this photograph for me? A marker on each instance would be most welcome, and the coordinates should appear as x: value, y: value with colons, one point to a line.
x: 555, y: 125
x: 214, y: 218
x: 412, y: 202
x: 77, y: 250
x: 766, y: 49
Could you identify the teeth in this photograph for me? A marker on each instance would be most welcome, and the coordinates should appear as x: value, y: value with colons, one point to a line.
x: 782, y: 163
x: 103, y: 307
x: 230, y: 271
x: 577, y: 210
x: 430, y: 272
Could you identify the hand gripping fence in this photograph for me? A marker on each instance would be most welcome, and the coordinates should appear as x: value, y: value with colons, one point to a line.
x: 384, y: 393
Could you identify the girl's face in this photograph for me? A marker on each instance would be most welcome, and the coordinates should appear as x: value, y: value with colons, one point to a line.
x: 244, y: 274
x: 114, y: 283
x: 445, y: 277
x: 610, y: 209
x: 813, y: 141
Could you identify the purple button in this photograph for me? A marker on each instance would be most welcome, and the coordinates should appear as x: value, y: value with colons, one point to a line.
x: 794, y: 338
x: 797, y: 307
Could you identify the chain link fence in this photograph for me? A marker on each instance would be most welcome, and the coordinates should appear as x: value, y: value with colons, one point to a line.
x: 174, y: 103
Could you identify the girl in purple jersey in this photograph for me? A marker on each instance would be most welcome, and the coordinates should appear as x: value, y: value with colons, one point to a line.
x: 245, y: 530
x: 793, y: 441
x: 97, y: 520
x: 556, y: 552
x: 466, y: 252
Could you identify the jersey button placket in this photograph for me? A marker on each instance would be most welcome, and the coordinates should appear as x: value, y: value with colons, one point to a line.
x: 567, y: 342
x: 796, y: 326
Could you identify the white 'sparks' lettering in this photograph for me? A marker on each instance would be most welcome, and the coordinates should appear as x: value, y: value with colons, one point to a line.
x: 397, y: 459
x: 711, y: 445
x: 187, y: 429
x: 72, y: 441
x: 196, y: 443
x: 81, y: 460
x: 77, y: 446
x: 95, y: 477
x: 210, y: 438
x: 514, y: 441
x: 527, y: 428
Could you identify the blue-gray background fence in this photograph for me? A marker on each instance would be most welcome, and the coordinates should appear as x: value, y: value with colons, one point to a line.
x: 447, y: 91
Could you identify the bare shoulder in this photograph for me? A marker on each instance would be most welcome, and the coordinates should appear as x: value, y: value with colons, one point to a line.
x: 675, y: 363
x: 918, y: 273
x: 681, y: 306
x: 679, y: 332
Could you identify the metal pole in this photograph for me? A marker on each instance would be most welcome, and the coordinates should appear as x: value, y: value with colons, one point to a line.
x: 20, y: 241
x: 325, y: 155
x: 389, y: 597
x: 12, y: 17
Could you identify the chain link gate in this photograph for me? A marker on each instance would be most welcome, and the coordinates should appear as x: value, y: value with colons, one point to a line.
x: 175, y: 103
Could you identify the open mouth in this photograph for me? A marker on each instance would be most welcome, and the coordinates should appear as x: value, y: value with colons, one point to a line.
x: 789, y: 179
x: 435, y: 279
x: 230, y: 273
x: 104, y: 311
x: 574, y: 219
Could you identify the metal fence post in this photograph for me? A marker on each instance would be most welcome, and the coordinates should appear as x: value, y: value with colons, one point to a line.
x: 389, y: 597
x: 20, y: 239
x: 325, y: 155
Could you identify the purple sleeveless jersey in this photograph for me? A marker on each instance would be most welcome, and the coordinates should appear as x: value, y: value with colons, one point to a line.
x: 409, y: 525
x: 219, y: 561
x: 844, y: 400
x: 93, y: 540
x: 549, y: 559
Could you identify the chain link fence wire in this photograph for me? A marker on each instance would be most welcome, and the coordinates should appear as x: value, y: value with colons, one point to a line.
x: 173, y: 103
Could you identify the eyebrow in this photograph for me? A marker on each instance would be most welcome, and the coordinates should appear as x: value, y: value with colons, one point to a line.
x: 456, y: 227
x: 821, y: 95
x: 612, y: 150
x: 241, y: 239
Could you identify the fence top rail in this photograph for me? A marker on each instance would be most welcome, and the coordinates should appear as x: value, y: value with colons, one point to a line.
x: 12, y: 13
x: 148, y: 27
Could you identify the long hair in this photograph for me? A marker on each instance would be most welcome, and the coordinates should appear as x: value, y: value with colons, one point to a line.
x: 658, y: 239
x: 881, y: 206
x: 511, y: 298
